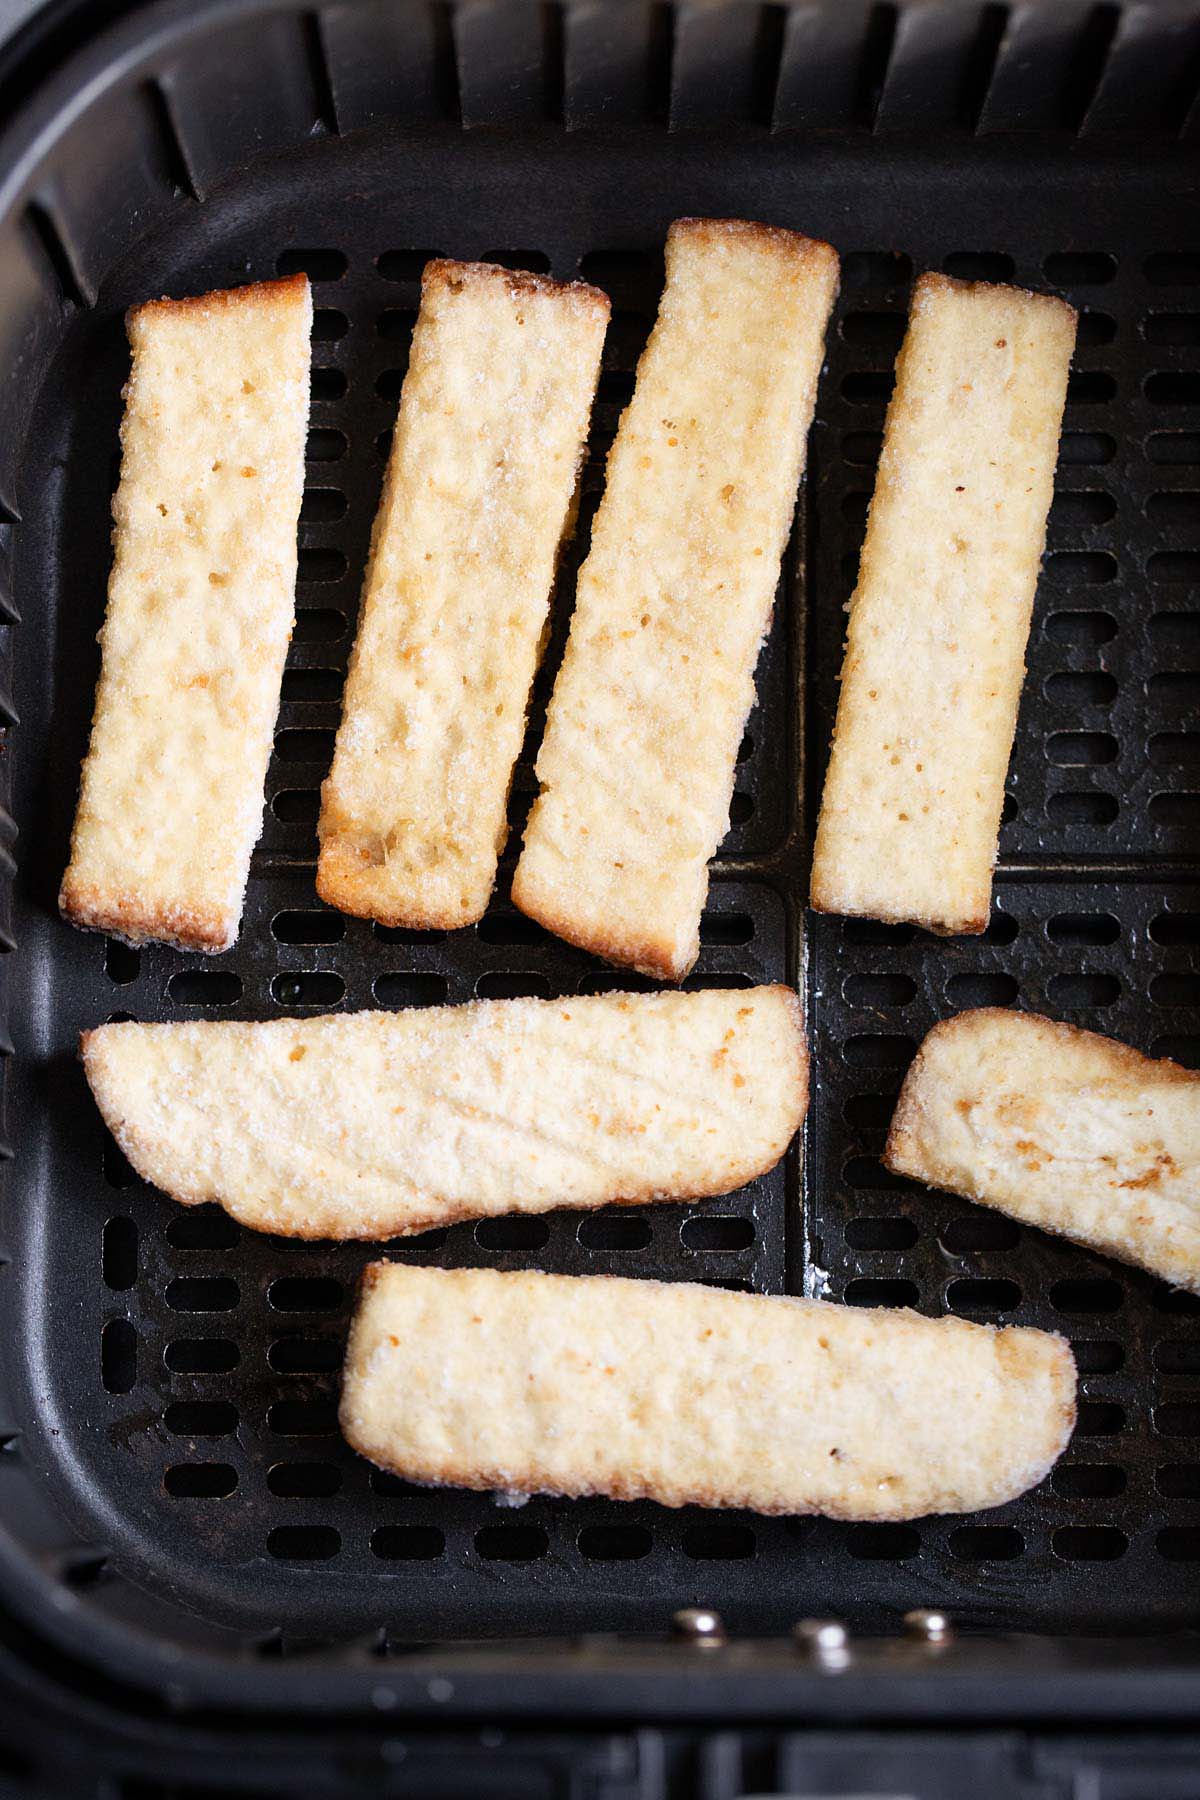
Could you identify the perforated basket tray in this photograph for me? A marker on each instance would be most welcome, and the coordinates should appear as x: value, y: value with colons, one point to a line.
x: 168, y: 1381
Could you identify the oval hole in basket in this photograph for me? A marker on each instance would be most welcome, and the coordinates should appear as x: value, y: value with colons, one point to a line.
x: 1179, y: 1543
x: 326, y: 444
x: 877, y: 331
x: 305, y: 1293
x: 1175, y: 990
x: 202, y: 1293
x: 1075, y: 991
x: 883, y: 1543
x: 1096, y: 1294
x: 1078, y: 508
x: 715, y: 1232
x: 1083, y: 930
x: 1170, y: 1300
x: 1002, y: 928
x: 880, y: 1234
x: 119, y: 1254
x: 305, y: 1356
x: 309, y: 927
x: 867, y: 387
x: 875, y: 931
x: 118, y: 1356
x: 861, y: 448
x: 1081, y: 749
x: 303, y: 1418
x: 312, y: 685
x: 1088, y: 1481
x: 1079, y: 268
x: 878, y: 990
x: 1098, y: 1356
x: 1178, y: 1418
x: 511, y: 928
x: 320, y: 506
x: 1089, y: 807
x: 614, y: 1543
x: 1090, y: 387
x: 979, y: 265
x: 122, y: 962
x: 200, y: 1481
x: 718, y: 1541
x: 878, y: 1291
x: 201, y: 1356
x: 1088, y: 567
x: 304, y: 1480
x: 409, y: 988
x: 296, y: 806
x: 1081, y: 687
x: 511, y: 1233
x: 869, y: 1113
x: 1173, y: 387
x: 613, y: 1231
x: 510, y: 984
x: 326, y: 385
x: 304, y: 1543
x: 1086, y: 448
x: 407, y: 1543
x: 201, y: 1418
x: 980, y: 989
x: 205, y: 987
x: 867, y: 1172
x: 308, y: 987
x: 986, y: 1543
x: 875, y: 269
x: 1089, y: 1543
x: 871, y: 1050
x: 1178, y: 1481
x: 1086, y: 629
x: 1100, y: 1418
x: 983, y: 1294
x: 203, y: 1228
x: 978, y: 1233
x: 318, y: 625
x: 304, y: 744
x: 1175, y: 929
x: 511, y: 1543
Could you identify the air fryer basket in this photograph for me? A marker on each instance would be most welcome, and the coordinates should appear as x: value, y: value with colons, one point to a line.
x: 176, y: 1497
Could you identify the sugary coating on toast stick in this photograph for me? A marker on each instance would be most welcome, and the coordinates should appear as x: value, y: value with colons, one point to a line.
x: 1061, y: 1128
x: 939, y: 620
x: 375, y: 1124
x: 478, y: 496
x: 637, y: 765
x: 687, y: 1395
x: 200, y: 607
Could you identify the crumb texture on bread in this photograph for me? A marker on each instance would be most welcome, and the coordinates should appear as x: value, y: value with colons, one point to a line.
x: 636, y: 768
x: 200, y: 606
x: 477, y: 498
x: 1060, y: 1128
x: 939, y: 619
x: 689, y: 1396
x: 374, y: 1124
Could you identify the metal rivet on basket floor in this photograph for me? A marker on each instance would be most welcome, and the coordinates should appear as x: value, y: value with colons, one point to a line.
x: 825, y: 1639
x: 699, y: 1624
x: 926, y: 1622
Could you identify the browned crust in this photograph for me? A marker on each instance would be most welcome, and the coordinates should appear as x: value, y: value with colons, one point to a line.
x: 135, y: 1149
x: 749, y: 230
x: 128, y: 916
x: 935, y: 282
x: 445, y: 272
x: 972, y: 927
x: 344, y: 881
x: 640, y: 953
x: 472, y: 1477
x: 255, y: 293
x: 908, y: 1103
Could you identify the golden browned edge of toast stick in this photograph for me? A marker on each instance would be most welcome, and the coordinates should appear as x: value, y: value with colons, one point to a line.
x: 636, y: 767
x: 178, y: 874
x: 1060, y: 1128
x: 675, y: 1392
x: 479, y: 496
x: 939, y: 619
x: 377, y: 1125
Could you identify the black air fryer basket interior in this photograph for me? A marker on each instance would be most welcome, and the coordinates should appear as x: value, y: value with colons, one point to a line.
x: 175, y: 1499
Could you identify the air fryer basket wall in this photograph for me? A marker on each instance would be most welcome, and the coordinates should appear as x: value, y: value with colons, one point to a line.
x: 175, y: 1488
